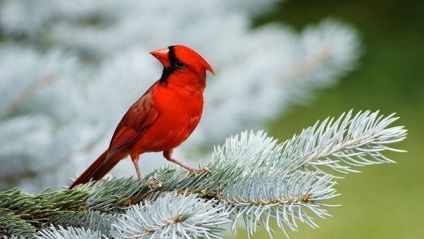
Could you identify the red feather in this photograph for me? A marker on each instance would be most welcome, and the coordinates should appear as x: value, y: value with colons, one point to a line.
x: 162, y: 118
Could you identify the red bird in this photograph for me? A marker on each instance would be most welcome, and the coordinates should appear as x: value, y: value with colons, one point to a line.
x: 164, y: 116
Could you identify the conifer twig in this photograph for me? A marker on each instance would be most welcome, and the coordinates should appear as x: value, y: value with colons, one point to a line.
x: 253, y: 177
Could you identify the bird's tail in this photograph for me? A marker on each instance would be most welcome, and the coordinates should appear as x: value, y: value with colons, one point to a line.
x: 97, y: 170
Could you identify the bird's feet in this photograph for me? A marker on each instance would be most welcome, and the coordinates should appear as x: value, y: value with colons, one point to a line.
x: 168, y: 155
x: 151, y: 183
x: 201, y: 170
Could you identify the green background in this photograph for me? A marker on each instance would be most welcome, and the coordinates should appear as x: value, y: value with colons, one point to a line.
x: 384, y: 201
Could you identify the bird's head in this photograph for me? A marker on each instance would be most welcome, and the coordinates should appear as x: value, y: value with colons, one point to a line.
x: 183, y: 64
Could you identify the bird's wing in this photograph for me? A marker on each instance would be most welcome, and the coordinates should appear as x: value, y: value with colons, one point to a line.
x: 141, y: 115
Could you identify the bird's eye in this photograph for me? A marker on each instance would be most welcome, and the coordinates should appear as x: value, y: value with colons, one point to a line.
x: 179, y: 64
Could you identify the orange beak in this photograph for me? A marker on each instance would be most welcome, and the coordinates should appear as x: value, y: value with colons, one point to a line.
x: 162, y: 56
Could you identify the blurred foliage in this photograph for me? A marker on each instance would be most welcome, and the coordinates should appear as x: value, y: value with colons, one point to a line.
x: 384, y: 201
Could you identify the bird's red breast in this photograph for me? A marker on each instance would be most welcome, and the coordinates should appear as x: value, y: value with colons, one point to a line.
x: 170, y: 110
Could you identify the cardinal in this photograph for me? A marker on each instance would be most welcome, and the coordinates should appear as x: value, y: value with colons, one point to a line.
x: 162, y: 118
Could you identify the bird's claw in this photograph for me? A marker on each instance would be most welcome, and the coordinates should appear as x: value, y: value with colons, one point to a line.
x: 201, y: 170
x: 155, y: 185
x: 151, y: 183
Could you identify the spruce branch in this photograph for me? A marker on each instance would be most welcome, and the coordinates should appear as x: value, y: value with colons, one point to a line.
x: 11, y: 225
x: 253, y: 177
x: 68, y: 233
x: 173, y: 216
x: 345, y: 142
x: 92, y: 220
